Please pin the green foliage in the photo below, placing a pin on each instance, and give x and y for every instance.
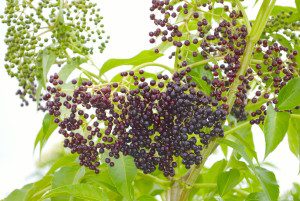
(275, 128)
(143, 57)
(228, 180)
(81, 191)
(122, 175)
(294, 135)
(45, 132)
(289, 96)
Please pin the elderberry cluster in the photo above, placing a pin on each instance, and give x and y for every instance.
(156, 122)
(277, 67)
(37, 29)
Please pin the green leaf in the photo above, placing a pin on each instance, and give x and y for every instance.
(228, 180)
(67, 160)
(81, 191)
(66, 176)
(69, 67)
(146, 198)
(294, 136)
(298, 5)
(143, 57)
(258, 196)
(244, 136)
(19, 194)
(45, 132)
(278, 9)
(275, 127)
(102, 179)
(122, 175)
(48, 59)
(239, 148)
(38, 188)
(268, 182)
(282, 40)
(197, 73)
(289, 95)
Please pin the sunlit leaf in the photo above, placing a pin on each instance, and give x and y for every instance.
(228, 180)
(143, 57)
(275, 127)
(69, 67)
(45, 132)
(294, 136)
(81, 191)
(122, 175)
(289, 95)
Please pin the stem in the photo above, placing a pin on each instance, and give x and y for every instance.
(155, 179)
(205, 61)
(154, 64)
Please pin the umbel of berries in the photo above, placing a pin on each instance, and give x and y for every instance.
(41, 29)
(155, 122)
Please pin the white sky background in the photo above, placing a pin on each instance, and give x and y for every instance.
(128, 24)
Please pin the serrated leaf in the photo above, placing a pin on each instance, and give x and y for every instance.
(289, 95)
(66, 176)
(239, 148)
(19, 194)
(143, 57)
(122, 175)
(257, 196)
(294, 136)
(102, 180)
(45, 132)
(146, 198)
(67, 160)
(228, 180)
(48, 59)
(268, 182)
(245, 137)
(297, 2)
(81, 191)
(282, 40)
(38, 188)
(69, 67)
(275, 127)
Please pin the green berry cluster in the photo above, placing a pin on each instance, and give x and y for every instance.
(285, 23)
(65, 27)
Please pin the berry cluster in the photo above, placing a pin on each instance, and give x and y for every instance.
(48, 25)
(283, 23)
(222, 45)
(277, 67)
(154, 121)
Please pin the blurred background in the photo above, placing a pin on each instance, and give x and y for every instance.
(128, 24)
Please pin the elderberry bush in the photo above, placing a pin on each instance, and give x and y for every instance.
(149, 130)
(37, 29)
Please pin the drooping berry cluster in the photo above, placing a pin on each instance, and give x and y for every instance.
(277, 67)
(37, 28)
(154, 121)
